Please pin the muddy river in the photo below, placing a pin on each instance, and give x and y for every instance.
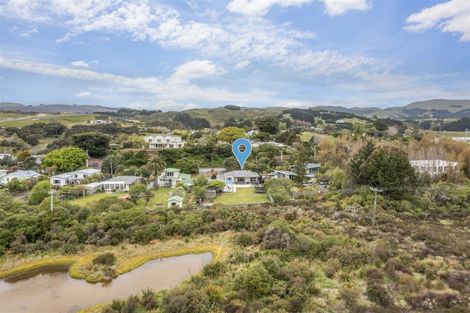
(55, 291)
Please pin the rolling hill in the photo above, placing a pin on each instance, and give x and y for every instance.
(53, 108)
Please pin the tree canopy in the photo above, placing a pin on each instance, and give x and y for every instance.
(65, 159)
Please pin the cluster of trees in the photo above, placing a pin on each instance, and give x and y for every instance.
(109, 221)
(65, 159)
(385, 168)
(192, 122)
(34, 132)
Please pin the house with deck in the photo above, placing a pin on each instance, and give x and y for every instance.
(115, 184)
(73, 178)
(161, 141)
(242, 178)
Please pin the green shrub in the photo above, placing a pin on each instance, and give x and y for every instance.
(255, 281)
(245, 239)
(105, 259)
(213, 269)
(187, 300)
(39, 192)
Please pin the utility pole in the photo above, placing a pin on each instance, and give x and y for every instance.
(375, 190)
(52, 192)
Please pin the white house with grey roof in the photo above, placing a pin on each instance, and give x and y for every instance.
(115, 184)
(242, 178)
(119, 183)
(20, 175)
(282, 174)
(73, 178)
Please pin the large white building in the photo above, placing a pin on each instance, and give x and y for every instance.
(73, 178)
(160, 141)
(433, 167)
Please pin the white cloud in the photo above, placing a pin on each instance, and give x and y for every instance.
(82, 94)
(83, 63)
(261, 7)
(80, 63)
(28, 32)
(24, 32)
(193, 70)
(452, 16)
(242, 64)
(232, 40)
(340, 7)
(154, 88)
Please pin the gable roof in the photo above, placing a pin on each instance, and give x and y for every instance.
(287, 173)
(123, 179)
(175, 198)
(89, 171)
(242, 173)
(22, 174)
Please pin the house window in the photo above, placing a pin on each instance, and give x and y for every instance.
(240, 180)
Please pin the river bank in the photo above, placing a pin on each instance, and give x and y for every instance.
(128, 257)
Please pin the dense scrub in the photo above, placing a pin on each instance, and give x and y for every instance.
(318, 253)
(312, 258)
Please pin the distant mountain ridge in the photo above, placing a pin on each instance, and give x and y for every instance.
(434, 108)
(54, 108)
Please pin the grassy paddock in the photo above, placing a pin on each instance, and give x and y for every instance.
(128, 257)
(242, 196)
(65, 119)
(88, 200)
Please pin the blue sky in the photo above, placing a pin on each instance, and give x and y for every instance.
(174, 55)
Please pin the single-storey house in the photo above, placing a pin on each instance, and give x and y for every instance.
(119, 183)
(171, 176)
(175, 201)
(433, 167)
(282, 174)
(73, 178)
(20, 175)
(311, 169)
(241, 178)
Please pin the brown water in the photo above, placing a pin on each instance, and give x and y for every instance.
(52, 292)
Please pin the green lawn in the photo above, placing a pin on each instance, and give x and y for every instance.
(65, 119)
(161, 195)
(88, 200)
(242, 196)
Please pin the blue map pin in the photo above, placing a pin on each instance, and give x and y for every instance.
(241, 149)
